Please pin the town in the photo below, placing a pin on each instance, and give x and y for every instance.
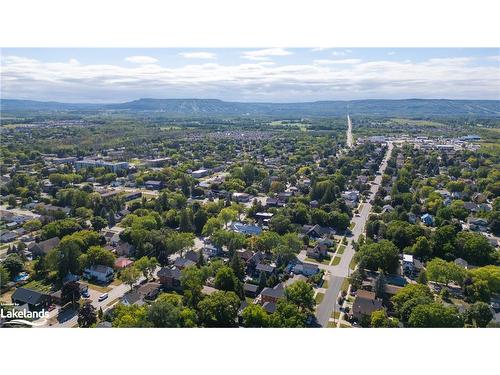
(250, 223)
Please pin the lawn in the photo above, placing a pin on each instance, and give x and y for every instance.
(342, 325)
(99, 288)
(331, 325)
(352, 264)
(341, 249)
(345, 285)
(336, 260)
(319, 298)
(324, 261)
(38, 286)
(325, 284)
(335, 314)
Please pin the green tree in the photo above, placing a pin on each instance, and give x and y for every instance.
(441, 271)
(87, 315)
(219, 309)
(479, 314)
(226, 215)
(98, 223)
(288, 315)
(383, 255)
(97, 255)
(225, 279)
(255, 316)
(70, 292)
(301, 294)
(146, 265)
(130, 276)
(192, 284)
(13, 264)
(379, 319)
(4, 277)
(238, 266)
(435, 315)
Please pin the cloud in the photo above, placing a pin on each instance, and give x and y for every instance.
(391, 53)
(447, 77)
(141, 60)
(343, 61)
(198, 55)
(265, 54)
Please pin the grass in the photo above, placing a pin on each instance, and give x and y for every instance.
(116, 282)
(331, 325)
(345, 285)
(249, 300)
(99, 288)
(319, 298)
(342, 325)
(38, 286)
(6, 297)
(341, 249)
(325, 284)
(336, 260)
(324, 261)
(352, 264)
(352, 225)
(335, 314)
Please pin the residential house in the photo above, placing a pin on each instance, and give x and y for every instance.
(146, 292)
(269, 297)
(306, 269)
(43, 247)
(34, 299)
(427, 219)
(182, 263)
(122, 263)
(250, 290)
(170, 278)
(153, 185)
(250, 230)
(365, 303)
(100, 273)
(241, 197)
(317, 252)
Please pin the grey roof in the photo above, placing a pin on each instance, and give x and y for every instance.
(265, 267)
(29, 296)
(169, 272)
(270, 307)
(276, 292)
(250, 287)
(183, 262)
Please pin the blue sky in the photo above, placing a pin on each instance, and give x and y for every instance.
(259, 74)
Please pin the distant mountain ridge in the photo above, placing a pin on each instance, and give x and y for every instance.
(216, 107)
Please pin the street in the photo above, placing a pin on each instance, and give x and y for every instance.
(340, 271)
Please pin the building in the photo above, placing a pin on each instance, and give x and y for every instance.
(94, 163)
(42, 248)
(170, 278)
(408, 264)
(427, 219)
(251, 230)
(153, 185)
(100, 273)
(241, 197)
(306, 269)
(34, 299)
(365, 303)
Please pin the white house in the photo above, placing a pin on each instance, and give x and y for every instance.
(103, 274)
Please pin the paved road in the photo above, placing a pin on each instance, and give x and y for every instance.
(349, 132)
(340, 271)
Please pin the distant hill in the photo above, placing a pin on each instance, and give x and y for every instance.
(215, 107)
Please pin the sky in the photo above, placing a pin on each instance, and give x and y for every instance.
(108, 75)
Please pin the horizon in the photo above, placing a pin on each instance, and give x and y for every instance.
(247, 102)
(249, 75)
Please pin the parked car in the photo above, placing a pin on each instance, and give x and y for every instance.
(102, 297)
(86, 294)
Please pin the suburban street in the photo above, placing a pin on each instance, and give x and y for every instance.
(349, 132)
(340, 271)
